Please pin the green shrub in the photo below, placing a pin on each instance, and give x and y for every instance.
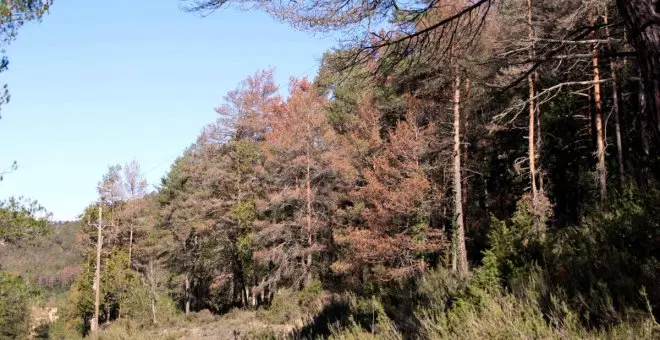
(289, 307)
(14, 307)
(63, 329)
(203, 316)
(366, 320)
(601, 265)
(582, 282)
(284, 309)
(130, 330)
(471, 312)
(355, 332)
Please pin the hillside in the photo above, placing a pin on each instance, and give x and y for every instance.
(51, 262)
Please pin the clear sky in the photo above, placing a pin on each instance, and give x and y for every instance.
(104, 82)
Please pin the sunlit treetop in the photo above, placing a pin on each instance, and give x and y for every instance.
(22, 220)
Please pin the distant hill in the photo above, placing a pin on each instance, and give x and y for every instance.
(52, 262)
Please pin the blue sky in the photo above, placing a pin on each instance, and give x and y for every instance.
(104, 82)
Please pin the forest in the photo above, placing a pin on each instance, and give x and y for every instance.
(457, 169)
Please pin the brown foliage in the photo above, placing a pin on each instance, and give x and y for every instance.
(389, 232)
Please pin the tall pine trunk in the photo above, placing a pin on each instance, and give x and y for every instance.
(130, 246)
(539, 143)
(466, 149)
(598, 120)
(531, 140)
(459, 261)
(308, 195)
(615, 107)
(94, 326)
(187, 293)
(643, 113)
(152, 290)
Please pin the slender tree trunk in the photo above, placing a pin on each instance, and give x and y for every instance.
(615, 107)
(534, 138)
(153, 310)
(600, 139)
(187, 294)
(642, 18)
(459, 261)
(107, 315)
(130, 246)
(539, 143)
(232, 289)
(94, 326)
(590, 121)
(272, 287)
(625, 38)
(244, 295)
(466, 154)
(247, 296)
(152, 284)
(531, 141)
(644, 120)
(531, 128)
(308, 194)
(486, 194)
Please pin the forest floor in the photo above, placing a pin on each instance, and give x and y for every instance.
(235, 325)
(238, 324)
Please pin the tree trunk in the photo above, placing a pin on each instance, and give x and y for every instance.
(466, 154)
(153, 310)
(272, 287)
(245, 298)
(187, 294)
(531, 140)
(590, 121)
(531, 128)
(615, 107)
(94, 326)
(152, 284)
(459, 261)
(539, 143)
(598, 120)
(130, 246)
(262, 296)
(642, 19)
(646, 147)
(308, 194)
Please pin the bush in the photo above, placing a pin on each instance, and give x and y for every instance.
(129, 330)
(468, 311)
(582, 282)
(284, 309)
(289, 307)
(63, 329)
(14, 307)
(602, 265)
(203, 316)
(382, 330)
(348, 317)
